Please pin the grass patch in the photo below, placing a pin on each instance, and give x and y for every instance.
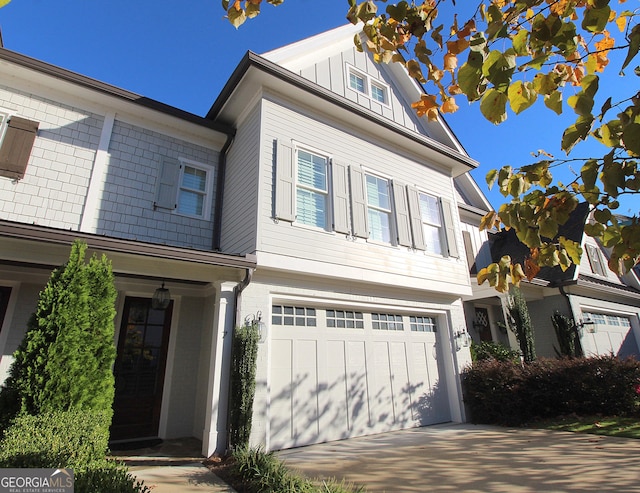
(614, 426)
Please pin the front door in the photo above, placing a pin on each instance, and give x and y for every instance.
(139, 369)
(482, 324)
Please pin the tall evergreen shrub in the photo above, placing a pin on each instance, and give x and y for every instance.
(567, 335)
(521, 325)
(243, 384)
(65, 359)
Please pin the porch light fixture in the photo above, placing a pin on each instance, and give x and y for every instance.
(161, 298)
(256, 320)
(462, 339)
(592, 326)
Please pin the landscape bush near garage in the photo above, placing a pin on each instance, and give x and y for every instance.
(508, 393)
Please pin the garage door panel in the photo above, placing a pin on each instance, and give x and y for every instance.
(334, 423)
(358, 402)
(401, 387)
(305, 391)
(430, 400)
(281, 408)
(382, 403)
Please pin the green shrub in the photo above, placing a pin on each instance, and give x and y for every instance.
(508, 393)
(263, 472)
(107, 476)
(243, 384)
(567, 335)
(68, 439)
(66, 357)
(519, 322)
(493, 350)
(56, 439)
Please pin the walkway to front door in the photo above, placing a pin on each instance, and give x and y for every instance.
(139, 369)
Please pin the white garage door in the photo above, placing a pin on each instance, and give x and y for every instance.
(339, 373)
(608, 334)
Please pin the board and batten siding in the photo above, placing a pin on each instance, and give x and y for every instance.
(240, 215)
(331, 73)
(335, 250)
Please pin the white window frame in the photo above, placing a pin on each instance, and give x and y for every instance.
(390, 211)
(441, 226)
(327, 193)
(207, 193)
(369, 84)
(5, 122)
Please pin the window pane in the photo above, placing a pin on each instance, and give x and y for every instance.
(378, 93)
(433, 239)
(191, 203)
(311, 208)
(194, 179)
(312, 170)
(379, 228)
(378, 192)
(430, 209)
(356, 82)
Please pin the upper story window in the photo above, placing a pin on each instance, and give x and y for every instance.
(368, 86)
(185, 187)
(378, 208)
(432, 222)
(312, 190)
(193, 191)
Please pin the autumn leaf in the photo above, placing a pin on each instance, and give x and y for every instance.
(449, 106)
(426, 106)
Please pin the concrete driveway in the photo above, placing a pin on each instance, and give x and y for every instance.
(470, 458)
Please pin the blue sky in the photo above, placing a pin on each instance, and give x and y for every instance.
(182, 53)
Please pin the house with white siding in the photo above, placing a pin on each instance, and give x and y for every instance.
(310, 197)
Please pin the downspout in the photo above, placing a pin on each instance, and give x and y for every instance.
(222, 172)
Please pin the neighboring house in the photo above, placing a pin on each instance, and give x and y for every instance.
(311, 197)
(605, 306)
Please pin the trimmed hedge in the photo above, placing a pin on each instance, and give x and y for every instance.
(507, 393)
(75, 439)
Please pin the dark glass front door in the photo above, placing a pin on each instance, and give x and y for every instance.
(139, 369)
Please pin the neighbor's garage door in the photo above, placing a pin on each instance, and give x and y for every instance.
(608, 334)
(338, 374)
